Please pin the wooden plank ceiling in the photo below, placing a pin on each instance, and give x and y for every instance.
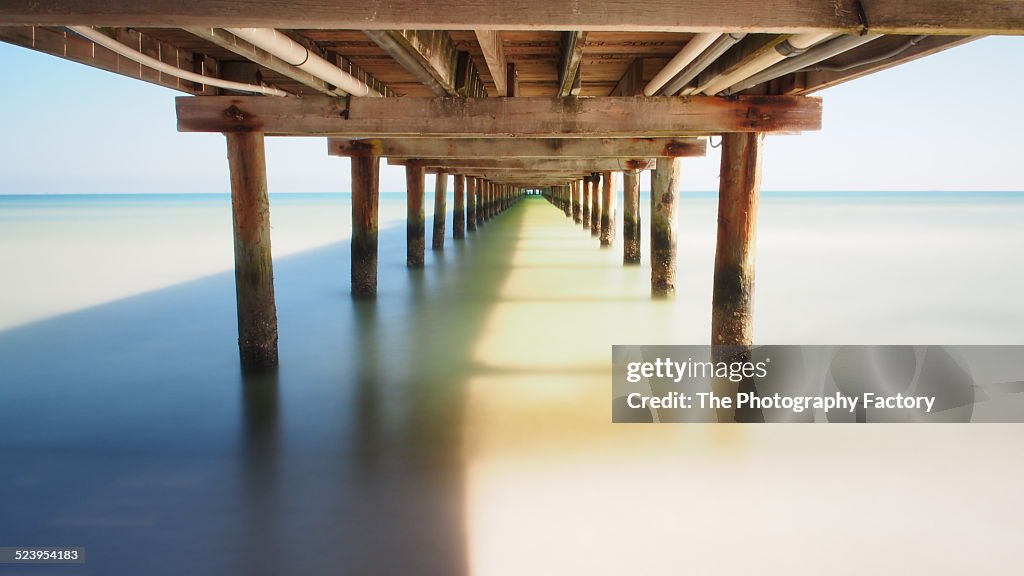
(608, 59)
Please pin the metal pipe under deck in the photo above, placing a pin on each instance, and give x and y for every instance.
(698, 44)
(818, 54)
(146, 60)
(297, 55)
(794, 45)
(701, 63)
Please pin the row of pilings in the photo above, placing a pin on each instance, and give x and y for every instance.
(591, 203)
(476, 201)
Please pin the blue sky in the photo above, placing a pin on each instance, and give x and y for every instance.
(947, 122)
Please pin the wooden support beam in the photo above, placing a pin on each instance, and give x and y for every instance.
(429, 55)
(595, 207)
(947, 17)
(588, 187)
(494, 54)
(365, 195)
(664, 202)
(415, 228)
(577, 193)
(257, 55)
(254, 266)
(509, 176)
(471, 203)
(459, 211)
(632, 81)
(70, 46)
(607, 210)
(532, 164)
(631, 236)
(733, 299)
(440, 196)
(566, 201)
(467, 78)
(569, 66)
(547, 148)
(481, 204)
(511, 80)
(605, 117)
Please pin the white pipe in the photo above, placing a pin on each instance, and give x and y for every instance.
(699, 43)
(796, 44)
(145, 60)
(299, 56)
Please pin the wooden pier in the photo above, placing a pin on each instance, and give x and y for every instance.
(568, 99)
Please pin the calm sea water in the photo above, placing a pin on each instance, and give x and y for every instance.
(459, 424)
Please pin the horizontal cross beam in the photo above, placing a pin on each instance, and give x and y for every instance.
(520, 147)
(506, 174)
(954, 17)
(603, 117)
(538, 164)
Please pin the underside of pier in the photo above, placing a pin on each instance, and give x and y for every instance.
(554, 96)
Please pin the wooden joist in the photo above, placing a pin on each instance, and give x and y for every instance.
(582, 165)
(429, 55)
(947, 17)
(521, 147)
(70, 46)
(569, 67)
(604, 117)
(494, 55)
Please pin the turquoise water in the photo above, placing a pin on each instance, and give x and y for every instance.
(462, 418)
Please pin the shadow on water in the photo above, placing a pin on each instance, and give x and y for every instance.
(129, 429)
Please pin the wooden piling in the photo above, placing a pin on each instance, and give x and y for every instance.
(415, 229)
(588, 186)
(733, 299)
(566, 201)
(459, 211)
(365, 190)
(440, 197)
(471, 203)
(595, 206)
(254, 267)
(631, 215)
(607, 211)
(577, 192)
(664, 201)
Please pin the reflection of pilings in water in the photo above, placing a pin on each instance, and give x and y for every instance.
(408, 485)
(368, 373)
(258, 475)
(724, 387)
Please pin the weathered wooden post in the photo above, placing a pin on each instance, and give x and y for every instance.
(595, 205)
(254, 267)
(577, 216)
(471, 203)
(481, 207)
(607, 211)
(664, 200)
(415, 229)
(566, 201)
(491, 188)
(440, 197)
(733, 300)
(631, 213)
(459, 212)
(588, 186)
(365, 189)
